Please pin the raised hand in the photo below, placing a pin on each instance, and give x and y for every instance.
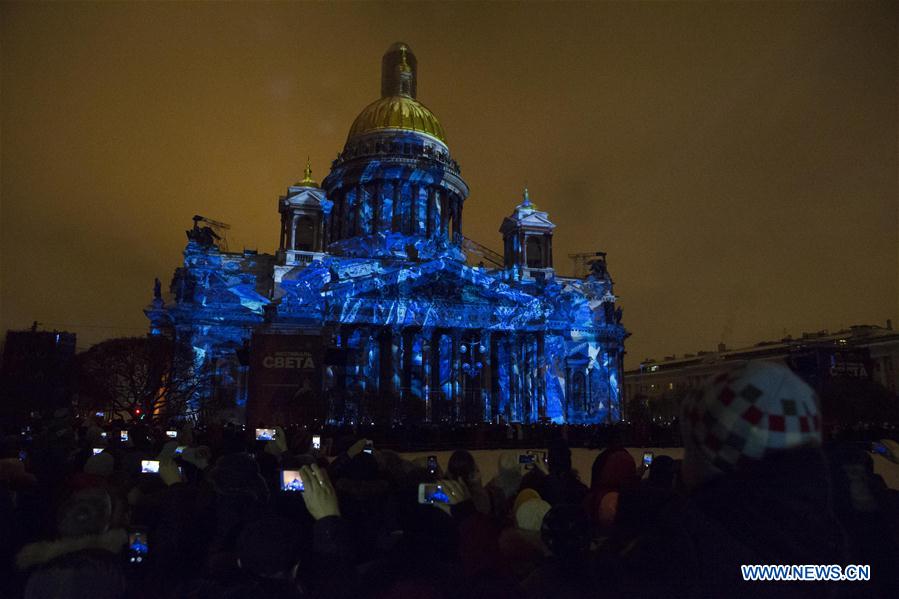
(169, 471)
(456, 490)
(318, 492)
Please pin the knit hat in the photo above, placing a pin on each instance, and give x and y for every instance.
(748, 414)
(529, 515)
(525, 495)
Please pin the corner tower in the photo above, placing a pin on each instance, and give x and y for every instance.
(395, 188)
(527, 240)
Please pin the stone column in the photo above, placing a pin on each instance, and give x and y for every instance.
(426, 349)
(397, 216)
(541, 374)
(456, 373)
(396, 381)
(414, 210)
(549, 250)
(486, 376)
(293, 232)
(444, 214)
(429, 210)
(434, 383)
(514, 412)
(376, 208)
(359, 211)
(526, 389)
(408, 347)
(344, 214)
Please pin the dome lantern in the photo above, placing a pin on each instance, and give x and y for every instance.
(398, 107)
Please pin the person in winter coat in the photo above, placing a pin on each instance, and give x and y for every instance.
(759, 493)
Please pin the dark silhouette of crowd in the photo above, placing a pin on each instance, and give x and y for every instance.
(203, 514)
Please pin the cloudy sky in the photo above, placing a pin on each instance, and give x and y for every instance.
(738, 161)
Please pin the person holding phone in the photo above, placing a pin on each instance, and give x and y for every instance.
(463, 468)
(613, 470)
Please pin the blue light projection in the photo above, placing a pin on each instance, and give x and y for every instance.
(372, 262)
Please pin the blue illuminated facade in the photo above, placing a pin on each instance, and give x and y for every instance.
(374, 262)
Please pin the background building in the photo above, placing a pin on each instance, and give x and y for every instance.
(370, 312)
(861, 353)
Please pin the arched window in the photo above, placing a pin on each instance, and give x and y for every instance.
(578, 392)
(305, 234)
(534, 247)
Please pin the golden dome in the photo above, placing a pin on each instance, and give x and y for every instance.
(397, 112)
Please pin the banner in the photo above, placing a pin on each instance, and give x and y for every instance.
(285, 384)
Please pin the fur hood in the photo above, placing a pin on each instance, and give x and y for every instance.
(36, 554)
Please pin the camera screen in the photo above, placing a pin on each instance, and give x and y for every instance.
(180, 449)
(171, 434)
(123, 435)
(137, 546)
(103, 435)
(647, 458)
(368, 447)
(98, 450)
(435, 494)
(316, 442)
(291, 481)
(526, 459)
(265, 434)
(149, 466)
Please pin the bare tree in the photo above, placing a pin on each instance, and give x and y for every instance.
(151, 377)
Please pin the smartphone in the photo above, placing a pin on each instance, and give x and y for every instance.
(149, 466)
(180, 449)
(369, 447)
(291, 481)
(432, 493)
(97, 450)
(316, 441)
(879, 448)
(23, 455)
(171, 434)
(647, 458)
(539, 455)
(265, 434)
(100, 414)
(123, 435)
(432, 465)
(527, 460)
(138, 547)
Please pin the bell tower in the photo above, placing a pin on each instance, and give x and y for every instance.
(527, 240)
(302, 220)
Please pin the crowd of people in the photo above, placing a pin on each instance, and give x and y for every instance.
(217, 513)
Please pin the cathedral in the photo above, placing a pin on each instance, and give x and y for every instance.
(377, 309)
